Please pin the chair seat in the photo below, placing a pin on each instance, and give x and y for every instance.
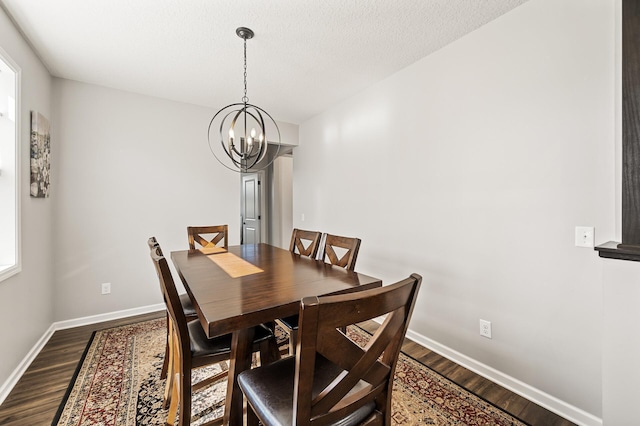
(269, 390)
(187, 306)
(202, 346)
(290, 322)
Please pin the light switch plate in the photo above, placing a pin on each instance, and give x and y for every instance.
(585, 236)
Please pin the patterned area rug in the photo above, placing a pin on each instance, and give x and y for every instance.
(117, 383)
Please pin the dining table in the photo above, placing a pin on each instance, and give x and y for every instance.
(240, 287)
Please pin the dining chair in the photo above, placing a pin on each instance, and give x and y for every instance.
(189, 311)
(305, 243)
(345, 257)
(340, 251)
(208, 237)
(192, 349)
(332, 379)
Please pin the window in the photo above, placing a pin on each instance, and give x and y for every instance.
(629, 248)
(9, 167)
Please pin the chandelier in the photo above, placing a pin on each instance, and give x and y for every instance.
(241, 139)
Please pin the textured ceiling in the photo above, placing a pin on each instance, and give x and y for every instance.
(305, 56)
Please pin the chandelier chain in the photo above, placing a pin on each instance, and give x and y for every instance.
(245, 99)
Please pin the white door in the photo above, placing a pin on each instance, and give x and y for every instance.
(250, 208)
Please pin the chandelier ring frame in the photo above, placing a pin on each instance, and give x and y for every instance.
(226, 112)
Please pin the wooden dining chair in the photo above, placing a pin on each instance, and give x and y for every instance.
(208, 236)
(346, 256)
(333, 380)
(189, 311)
(340, 251)
(305, 243)
(192, 349)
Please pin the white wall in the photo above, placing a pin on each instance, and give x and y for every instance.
(472, 167)
(130, 167)
(621, 347)
(25, 298)
(282, 201)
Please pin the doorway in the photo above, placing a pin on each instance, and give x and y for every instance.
(266, 203)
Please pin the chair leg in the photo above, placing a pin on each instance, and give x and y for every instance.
(185, 395)
(172, 367)
(165, 363)
(173, 382)
(175, 398)
(252, 419)
(293, 341)
(269, 351)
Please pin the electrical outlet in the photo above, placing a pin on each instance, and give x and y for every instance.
(106, 288)
(485, 328)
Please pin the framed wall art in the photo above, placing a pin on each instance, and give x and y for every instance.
(40, 155)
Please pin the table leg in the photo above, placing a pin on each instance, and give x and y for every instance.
(241, 351)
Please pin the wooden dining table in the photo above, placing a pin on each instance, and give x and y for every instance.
(236, 289)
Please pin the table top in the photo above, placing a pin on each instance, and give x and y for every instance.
(256, 283)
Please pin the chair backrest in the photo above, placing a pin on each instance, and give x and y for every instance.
(170, 295)
(346, 257)
(152, 242)
(208, 236)
(305, 242)
(368, 371)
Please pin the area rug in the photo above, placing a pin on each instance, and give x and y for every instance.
(118, 383)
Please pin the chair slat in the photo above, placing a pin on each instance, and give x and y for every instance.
(208, 236)
(298, 239)
(348, 259)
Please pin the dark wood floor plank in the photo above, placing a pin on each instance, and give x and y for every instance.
(37, 395)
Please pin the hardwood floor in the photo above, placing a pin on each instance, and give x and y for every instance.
(36, 397)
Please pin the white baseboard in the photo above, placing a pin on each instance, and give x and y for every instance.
(551, 403)
(94, 319)
(8, 385)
